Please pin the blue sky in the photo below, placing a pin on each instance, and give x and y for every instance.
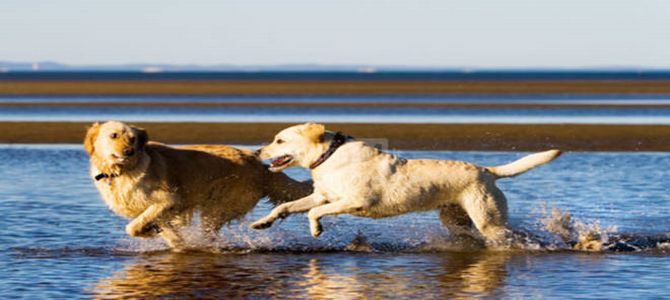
(442, 33)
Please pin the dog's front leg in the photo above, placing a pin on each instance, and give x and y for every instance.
(142, 225)
(297, 206)
(334, 208)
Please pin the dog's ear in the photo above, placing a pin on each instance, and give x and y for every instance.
(142, 137)
(91, 136)
(314, 131)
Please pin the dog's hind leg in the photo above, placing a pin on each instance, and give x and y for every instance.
(454, 217)
(211, 223)
(172, 237)
(334, 208)
(487, 208)
(210, 226)
(285, 209)
(456, 220)
(212, 217)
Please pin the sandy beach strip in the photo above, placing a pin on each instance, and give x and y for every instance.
(486, 137)
(268, 87)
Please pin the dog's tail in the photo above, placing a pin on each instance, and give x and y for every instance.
(280, 188)
(524, 164)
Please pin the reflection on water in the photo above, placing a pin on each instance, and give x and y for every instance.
(337, 275)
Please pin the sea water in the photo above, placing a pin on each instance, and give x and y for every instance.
(58, 240)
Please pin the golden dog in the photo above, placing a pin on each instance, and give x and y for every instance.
(160, 187)
(351, 177)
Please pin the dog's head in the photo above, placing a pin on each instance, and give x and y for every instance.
(298, 145)
(115, 143)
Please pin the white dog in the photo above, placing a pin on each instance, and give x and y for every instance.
(351, 177)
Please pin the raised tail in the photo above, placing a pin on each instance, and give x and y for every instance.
(280, 188)
(524, 164)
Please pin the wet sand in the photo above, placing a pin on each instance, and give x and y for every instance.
(276, 87)
(487, 137)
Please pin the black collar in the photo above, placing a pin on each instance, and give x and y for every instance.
(104, 175)
(338, 140)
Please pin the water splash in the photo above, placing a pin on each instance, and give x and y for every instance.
(591, 236)
(360, 244)
(578, 235)
(554, 230)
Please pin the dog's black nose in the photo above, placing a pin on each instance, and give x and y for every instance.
(128, 151)
(258, 152)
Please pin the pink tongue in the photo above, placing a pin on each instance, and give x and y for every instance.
(279, 161)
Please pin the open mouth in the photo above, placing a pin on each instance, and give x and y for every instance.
(281, 161)
(118, 159)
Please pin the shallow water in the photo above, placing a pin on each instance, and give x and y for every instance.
(640, 114)
(58, 240)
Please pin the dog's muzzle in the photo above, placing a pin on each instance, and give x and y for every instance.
(280, 163)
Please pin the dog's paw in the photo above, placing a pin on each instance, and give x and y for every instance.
(147, 230)
(316, 229)
(150, 230)
(262, 224)
(132, 230)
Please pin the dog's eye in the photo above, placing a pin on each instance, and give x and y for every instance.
(114, 135)
(280, 141)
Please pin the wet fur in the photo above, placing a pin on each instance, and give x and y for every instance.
(363, 181)
(160, 187)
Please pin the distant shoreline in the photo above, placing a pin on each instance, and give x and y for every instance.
(328, 74)
(330, 88)
(483, 137)
(306, 104)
